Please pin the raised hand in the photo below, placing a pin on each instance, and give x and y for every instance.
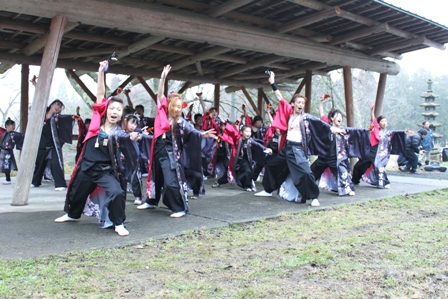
(371, 105)
(272, 78)
(77, 110)
(103, 65)
(166, 70)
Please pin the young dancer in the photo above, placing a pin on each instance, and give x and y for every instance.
(8, 140)
(57, 130)
(355, 143)
(176, 146)
(97, 165)
(245, 152)
(293, 157)
(383, 143)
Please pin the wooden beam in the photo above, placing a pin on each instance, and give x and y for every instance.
(300, 87)
(32, 137)
(140, 45)
(396, 46)
(82, 85)
(360, 33)
(308, 79)
(40, 42)
(185, 87)
(265, 97)
(123, 85)
(364, 48)
(251, 65)
(310, 19)
(301, 69)
(195, 27)
(231, 89)
(380, 94)
(198, 57)
(199, 68)
(350, 113)
(316, 5)
(217, 98)
(226, 7)
(251, 102)
(260, 101)
(24, 98)
(117, 69)
(148, 89)
(87, 53)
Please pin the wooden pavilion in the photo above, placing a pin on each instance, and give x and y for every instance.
(223, 42)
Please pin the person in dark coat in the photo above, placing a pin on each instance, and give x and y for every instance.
(413, 147)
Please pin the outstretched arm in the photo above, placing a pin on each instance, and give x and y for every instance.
(372, 110)
(277, 92)
(321, 106)
(163, 76)
(101, 88)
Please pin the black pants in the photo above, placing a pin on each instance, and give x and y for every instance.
(84, 184)
(194, 178)
(292, 160)
(256, 171)
(136, 186)
(362, 165)
(7, 173)
(166, 177)
(243, 172)
(319, 166)
(412, 160)
(56, 170)
(222, 157)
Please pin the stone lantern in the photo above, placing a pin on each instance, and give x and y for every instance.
(430, 115)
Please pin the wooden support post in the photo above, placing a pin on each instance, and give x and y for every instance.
(32, 137)
(216, 99)
(24, 100)
(308, 78)
(349, 96)
(260, 101)
(185, 87)
(249, 98)
(148, 89)
(265, 97)
(82, 85)
(380, 94)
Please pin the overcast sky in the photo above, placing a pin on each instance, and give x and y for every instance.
(432, 59)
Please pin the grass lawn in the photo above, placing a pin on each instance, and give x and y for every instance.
(390, 248)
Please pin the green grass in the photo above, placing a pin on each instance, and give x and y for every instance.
(388, 248)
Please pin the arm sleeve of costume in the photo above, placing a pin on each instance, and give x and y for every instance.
(247, 120)
(398, 143)
(65, 128)
(358, 143)
(325, 119)
(191, 156)
(319, 141)
(284, 110)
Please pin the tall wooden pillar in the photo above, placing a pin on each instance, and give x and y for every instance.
(380, 94)
(24, 101)
(308, 78)
(216, 99)
(349, 96)
(260, 102)
(32, 137)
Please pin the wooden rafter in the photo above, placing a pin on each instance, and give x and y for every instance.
(148, 89)
(82, 85)
(226, 7)
(249, 98)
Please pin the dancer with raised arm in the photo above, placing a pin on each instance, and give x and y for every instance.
(97, 165)
(293, 157)
(383, 143)
(176, 146)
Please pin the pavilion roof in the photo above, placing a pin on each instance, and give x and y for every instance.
(230, 42)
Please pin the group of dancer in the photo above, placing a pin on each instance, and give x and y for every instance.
(114, 149)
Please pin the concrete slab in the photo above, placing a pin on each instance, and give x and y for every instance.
(29, 231)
